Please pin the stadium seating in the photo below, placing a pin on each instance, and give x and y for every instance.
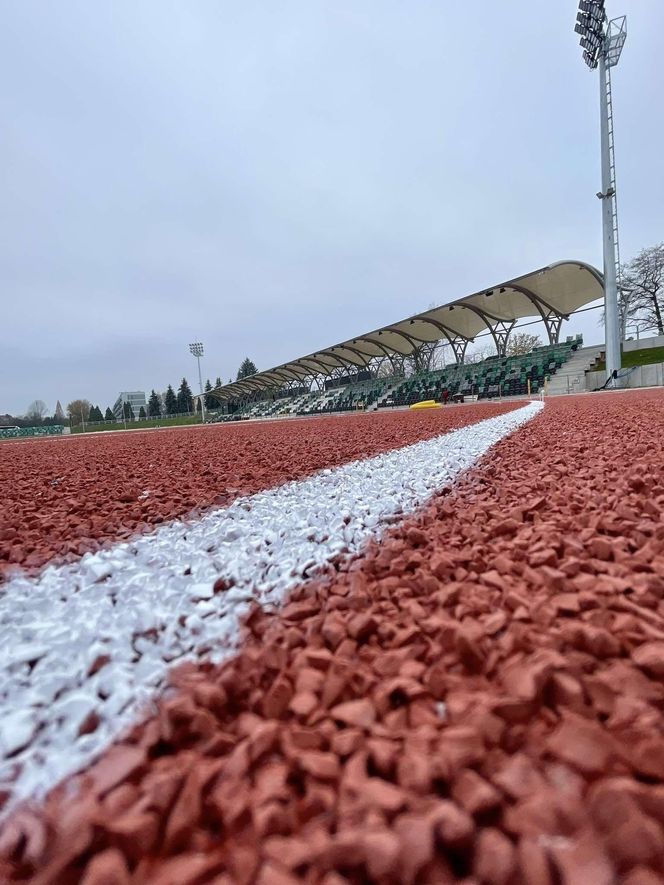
(491, 378)
(350, 398)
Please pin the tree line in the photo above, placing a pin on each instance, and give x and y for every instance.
(158, 405)
(171, 403)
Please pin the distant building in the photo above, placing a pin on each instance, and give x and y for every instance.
(135, 398)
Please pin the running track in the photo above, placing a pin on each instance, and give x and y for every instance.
(479, 694)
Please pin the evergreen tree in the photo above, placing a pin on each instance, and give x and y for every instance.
(127, 411)
(210, 402)
(170, 401)
(246, 369)
(218, 382)
(141, 413)
(184, 403)
(154, 406)
(98, 414)
(109, 416)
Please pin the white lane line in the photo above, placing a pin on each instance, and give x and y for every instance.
(149, 603)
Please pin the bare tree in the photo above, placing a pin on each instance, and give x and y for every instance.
(522, 342)
(627, 306)
(387, 367)
(421, 359)
(78, 410)
(36, 410)
(627, 310)
(643, 285)
(482, 351)
(425, 357)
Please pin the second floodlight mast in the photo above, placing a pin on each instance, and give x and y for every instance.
(602, 43)
(196, 349)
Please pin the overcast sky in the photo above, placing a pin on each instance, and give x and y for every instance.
(273, 177)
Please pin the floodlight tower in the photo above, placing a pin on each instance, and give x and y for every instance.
(196, 349)
(602, 43)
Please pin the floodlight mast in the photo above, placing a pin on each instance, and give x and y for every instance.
(196, 349)
(602, 43)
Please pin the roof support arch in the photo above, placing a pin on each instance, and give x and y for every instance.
(459, 343)
(297, 376)
(414, 340)
(500, 330)
(362, 356)
(459, 347)
(395, 357)
(312, 365)
(500, 334)
(220, 399)
(341, 360)
(552, 318)
(287, 376)
(378, 344)
(251, 384)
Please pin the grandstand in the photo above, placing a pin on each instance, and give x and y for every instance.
(489, 379)
(369, 371)
(494, 377)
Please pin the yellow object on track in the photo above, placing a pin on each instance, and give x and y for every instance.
(426, 404)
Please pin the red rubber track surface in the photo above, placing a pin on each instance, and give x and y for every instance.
(478, 697)
(64, 497)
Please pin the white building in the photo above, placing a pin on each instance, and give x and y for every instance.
(135, 398)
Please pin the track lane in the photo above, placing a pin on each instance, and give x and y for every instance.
(84, 647)
(64, 497)
(478, 695)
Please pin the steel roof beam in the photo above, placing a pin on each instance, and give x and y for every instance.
(354, 350)
(385, 350)
(551, 317)
(458, 343)
(388, 347)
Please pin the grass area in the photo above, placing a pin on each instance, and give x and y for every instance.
(645, 357)
(138, 425)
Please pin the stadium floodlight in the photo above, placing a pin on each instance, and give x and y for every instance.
(602, 44)
(590, 60)
(196, 349)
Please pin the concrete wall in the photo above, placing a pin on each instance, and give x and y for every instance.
(642, 376)
(644, 343)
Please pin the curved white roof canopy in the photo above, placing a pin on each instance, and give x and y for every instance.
(551, 294)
